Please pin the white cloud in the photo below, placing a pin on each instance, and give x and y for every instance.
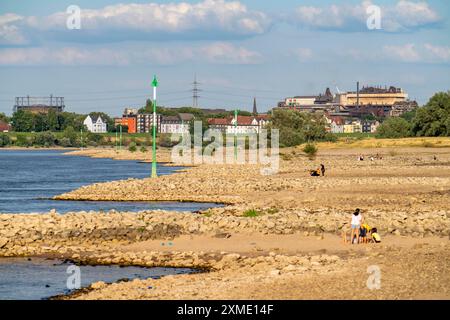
(9, 32)
(215, 53)
(403, 16)
(303, 54)
(404, 53)
(225, 53)
(208, 19)
(438, 53)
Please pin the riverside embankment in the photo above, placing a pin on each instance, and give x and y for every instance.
(279, 237)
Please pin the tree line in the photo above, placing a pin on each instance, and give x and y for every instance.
(26, 121)
(431, 120)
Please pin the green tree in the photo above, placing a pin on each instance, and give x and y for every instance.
(44, 139)
(3, 117)
(394, 128)
(70, 119)
(40, 122)
(22, 121)
(132, 147)
(148, 108)
(70, 136)
(433, 119)
(165, 111)
(52, 121)
(23, 140)
(94, 138)
(410, 115)
(4, 140)
(165, 140)
(298, 127)
(311, 150)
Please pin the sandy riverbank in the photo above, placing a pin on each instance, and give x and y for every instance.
(290, 250)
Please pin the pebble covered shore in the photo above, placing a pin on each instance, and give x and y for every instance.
(405, 195)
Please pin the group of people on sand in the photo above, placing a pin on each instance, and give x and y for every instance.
(372, 158)
(361, 232)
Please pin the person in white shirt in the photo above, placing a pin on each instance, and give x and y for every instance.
(357, 220)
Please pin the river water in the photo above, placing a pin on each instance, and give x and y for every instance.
(38, 278)
(28, 178)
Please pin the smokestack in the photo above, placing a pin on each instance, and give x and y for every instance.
(357, 94)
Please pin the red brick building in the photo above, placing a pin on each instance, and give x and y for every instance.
(4, 127)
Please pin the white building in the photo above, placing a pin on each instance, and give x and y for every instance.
(336, 127)
(95, 125)
(176, 124)
(241, 125)
(299, 101)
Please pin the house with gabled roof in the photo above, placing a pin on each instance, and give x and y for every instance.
(95, 124)
(239, 124)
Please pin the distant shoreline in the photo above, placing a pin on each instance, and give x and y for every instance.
(39, 148)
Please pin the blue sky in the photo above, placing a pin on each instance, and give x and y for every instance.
(237, 49)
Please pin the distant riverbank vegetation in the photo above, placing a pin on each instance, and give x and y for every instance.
(295, 128)
(431, 120)
(70, 138)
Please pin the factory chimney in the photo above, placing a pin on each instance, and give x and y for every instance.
(357, 94)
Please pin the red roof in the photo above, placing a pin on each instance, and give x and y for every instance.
(217, 121)
(264, 116)
(337, 119)
(4, 126)
(244, 120)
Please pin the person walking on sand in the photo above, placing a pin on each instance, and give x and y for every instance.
(357, 220)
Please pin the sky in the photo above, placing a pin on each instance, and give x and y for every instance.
(237, 50)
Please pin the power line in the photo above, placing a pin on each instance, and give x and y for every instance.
(242, 95)
(244, 89)
(195, 91)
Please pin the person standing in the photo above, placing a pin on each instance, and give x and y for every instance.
(322, 169)
(357, 220)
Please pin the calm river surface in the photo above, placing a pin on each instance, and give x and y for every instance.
(28, 176)
(38, 278)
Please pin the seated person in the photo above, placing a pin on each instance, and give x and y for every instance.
(375, 236)
(364, 232)
(315, 173)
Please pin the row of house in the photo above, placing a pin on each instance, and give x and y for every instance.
(180, 123)
(347, 125)
(239, 124)
(143, 122)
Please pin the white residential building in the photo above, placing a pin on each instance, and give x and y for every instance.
(241, 125)
(95, 125)
(336, 127)
(176, 124)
